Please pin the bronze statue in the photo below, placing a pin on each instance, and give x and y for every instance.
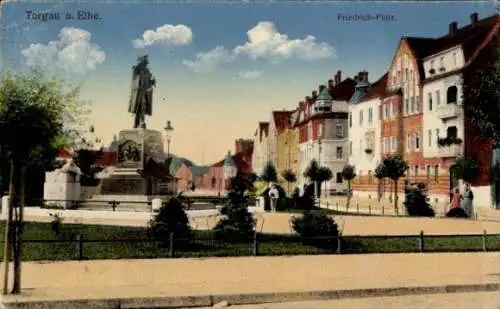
(141, 99)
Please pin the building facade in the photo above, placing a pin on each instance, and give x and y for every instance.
(260, 155)
(287, 149)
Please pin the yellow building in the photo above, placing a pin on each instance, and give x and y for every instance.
(287, 148)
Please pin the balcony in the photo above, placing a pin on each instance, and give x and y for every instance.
(331, 107)
(450, 151)
(449, 111)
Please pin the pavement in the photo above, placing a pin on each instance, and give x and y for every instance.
(351, 225)
(477, 300)
(177, 283)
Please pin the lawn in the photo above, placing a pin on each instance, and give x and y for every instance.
(115, 242)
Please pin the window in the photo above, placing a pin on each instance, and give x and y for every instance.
(339, 153)
(350, 120)
(393, 143)
(394, 108)
(408, 141)
(455, 58)
(370, 115)
(350, 147)
(412, 100)
(429, 100)
(432, 64)
(399, 76)
(360, 117)
(416, 171)
(417, 103)
(452, 132)
(441, 62)
(339, 129)
(412, 77)
(407, 104)
(436, 173)
(339, 178)
(437, 137)
(451, 95)
(407, 77)
(394, 81)
(319, 133)
(438, 97)
(428, 172)
(309, 131)
(386, 111)
(369, 177)
(429, 137)
(417, 140)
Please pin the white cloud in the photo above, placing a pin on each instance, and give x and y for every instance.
(205, 62)
(174, 34)
(264, 41)
(250, 74)
(73, 53)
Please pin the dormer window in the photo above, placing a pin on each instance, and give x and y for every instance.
(340, 130)
(432, 70)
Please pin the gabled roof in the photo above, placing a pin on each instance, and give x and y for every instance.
(324, 95)
(242, 160)
(198, 170)
(378, 89)
(281, 120)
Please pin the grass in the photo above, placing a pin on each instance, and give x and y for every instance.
(114, 242)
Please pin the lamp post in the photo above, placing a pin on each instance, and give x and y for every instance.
(168, 129)
(228, 168)
(319, 163)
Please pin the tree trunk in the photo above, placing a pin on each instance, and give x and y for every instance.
(349, 194)
(18, 234)
(396, 197)
(8, 231)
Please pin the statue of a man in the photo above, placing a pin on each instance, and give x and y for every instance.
(141, 99)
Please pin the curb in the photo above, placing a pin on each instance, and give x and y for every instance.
(242, 299)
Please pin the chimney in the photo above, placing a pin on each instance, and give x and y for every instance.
(474, 17)
(321, 88)
(330, 83)
(452, 28)
(338, 77)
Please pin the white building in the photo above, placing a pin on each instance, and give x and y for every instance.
(260, 155)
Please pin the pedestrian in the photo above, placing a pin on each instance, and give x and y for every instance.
(274, 196)
(455, 199)
(467, 200)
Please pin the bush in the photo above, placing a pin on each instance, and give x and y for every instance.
(306, 201)
(417, 202)
(55, 223)
(171, 218)
(457, 213)
(316, 224)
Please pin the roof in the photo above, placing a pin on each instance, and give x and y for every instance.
(377, 90)
(344, 90)
(228, 160)
(242, 160)
(324, 95)
(281, 120)
(198, 170)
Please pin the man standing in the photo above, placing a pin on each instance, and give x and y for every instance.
(141, 98)
(274, 196)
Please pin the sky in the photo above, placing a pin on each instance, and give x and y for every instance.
(220, 67)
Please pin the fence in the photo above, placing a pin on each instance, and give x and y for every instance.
(78, 247)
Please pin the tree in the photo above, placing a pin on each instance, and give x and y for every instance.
(289, 177)
(171, 218)
(481, 94)
(312, 172)
(237, 223)
(324, 175)
(393, 167)
(85, 159)
(269, 174)
(43, 114)
(349, 173)
(465, 168)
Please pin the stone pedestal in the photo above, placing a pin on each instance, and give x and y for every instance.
(62, 186)
(135, 148)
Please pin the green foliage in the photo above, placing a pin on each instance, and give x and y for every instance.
(448, 141)
(315, 224)
(312, 170)
(380, 171)
(481, 96)
(417, 202)
(269, 174)
(171, 218)
(395, 166)
(85, 159)
(465, 168)
(289, 176)
(348, 172)
(237, 223)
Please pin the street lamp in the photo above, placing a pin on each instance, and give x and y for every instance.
(229, 168)
(319, 163)
(168, 129)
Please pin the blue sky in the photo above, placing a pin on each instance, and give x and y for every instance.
(294, 47)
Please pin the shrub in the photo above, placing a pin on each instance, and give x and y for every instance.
(417, 202)
(316, 224)
(171, 218)
(306, 201)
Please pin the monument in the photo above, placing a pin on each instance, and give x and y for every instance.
(139, 147)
